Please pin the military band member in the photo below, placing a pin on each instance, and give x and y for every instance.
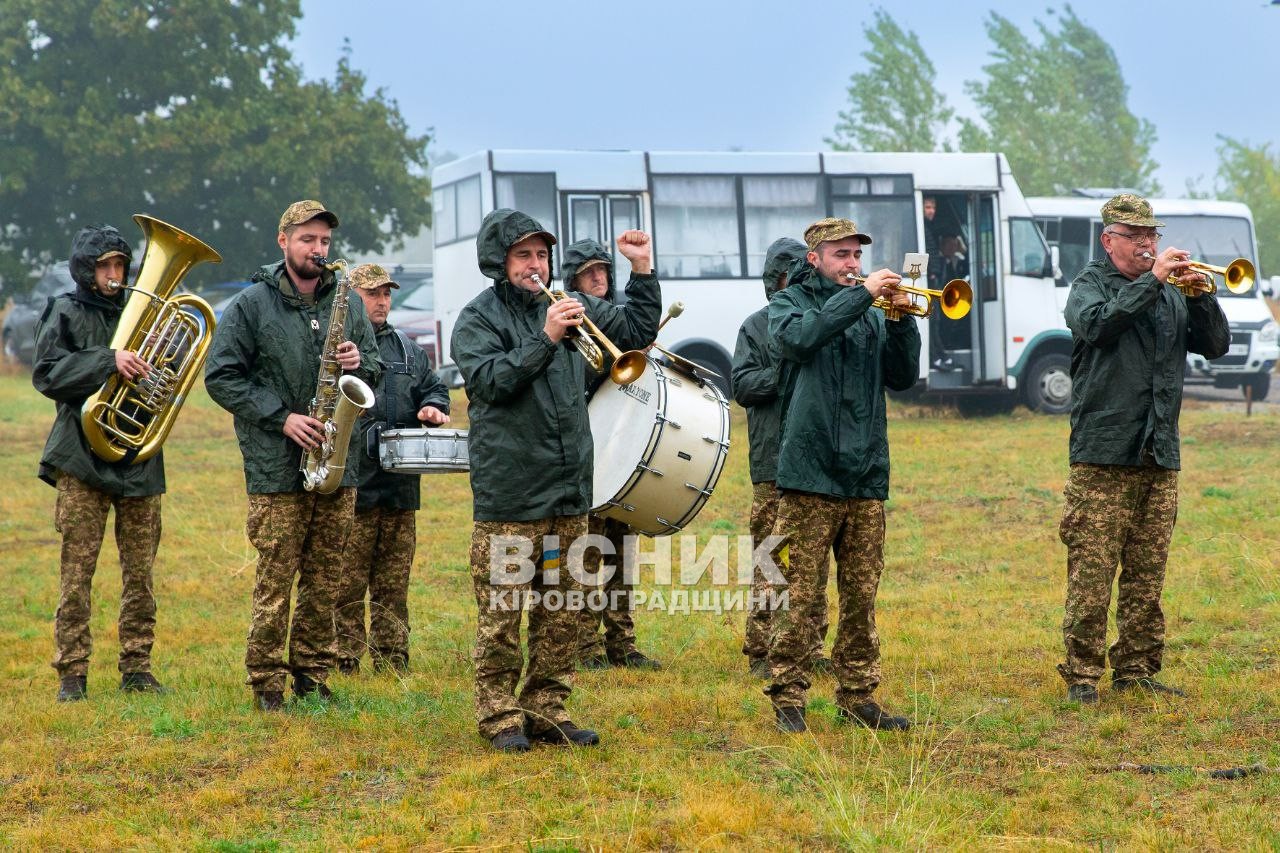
(379, 553)
(531, 466)
(263, 366)
(73, 360)
(588, 268)
(839, 355)
(1131, 332)
(756, 369)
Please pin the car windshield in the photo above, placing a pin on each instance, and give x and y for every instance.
(419, 298)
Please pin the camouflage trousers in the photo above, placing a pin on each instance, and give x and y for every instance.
(1116, 514)
(377, 560)
(764, 513)
(619, 628)
(298, 535)
(553, 630)
(854, 529)
(81, 517)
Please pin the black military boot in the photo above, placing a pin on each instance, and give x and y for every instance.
(142, 682)
(304, 686)
(268, 700)
(791, 719)
(73, 688)
(873, 716)
(634, 659)
(349, 666)
(566, 732)
(595, 662)
(1085, 694)
(510, 740)
(1148, 684)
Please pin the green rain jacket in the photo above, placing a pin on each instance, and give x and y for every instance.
(1129, 349)
(263, 365)
(756, 366)
(73, 360)
(530, 440)
(408, 384)
(839, 356)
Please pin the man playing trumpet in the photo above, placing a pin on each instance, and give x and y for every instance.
(833, 463)
(1131, 332)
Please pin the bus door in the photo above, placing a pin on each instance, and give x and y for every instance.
(601, 217)
(968, 350)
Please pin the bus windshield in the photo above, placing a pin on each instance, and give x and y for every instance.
(1214, 240)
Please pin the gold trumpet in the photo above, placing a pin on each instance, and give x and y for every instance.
(955, 297)
(627, 366)
(1237, 275)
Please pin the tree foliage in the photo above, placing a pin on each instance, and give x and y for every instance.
(1252, 175)
(1058, 110)
(193, 112)
(893, 105)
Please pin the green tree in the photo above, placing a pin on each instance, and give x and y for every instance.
(193, 112)
(893, 105)
(1252, 175)
(1058, 110)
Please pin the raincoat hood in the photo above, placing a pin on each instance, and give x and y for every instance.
(578, 253)
(501, 230)
(91, 243)
(782, 253)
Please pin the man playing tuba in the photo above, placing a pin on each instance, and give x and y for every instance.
(73, 360)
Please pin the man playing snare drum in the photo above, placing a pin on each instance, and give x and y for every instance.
(379, 552)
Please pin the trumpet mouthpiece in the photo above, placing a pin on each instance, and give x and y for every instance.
(113, 285)
(1148, 256)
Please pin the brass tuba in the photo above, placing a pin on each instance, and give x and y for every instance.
(128, 419)
(339, 399)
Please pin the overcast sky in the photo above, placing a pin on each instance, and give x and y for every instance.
(767, 76)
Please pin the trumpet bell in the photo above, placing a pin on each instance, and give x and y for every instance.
(956, 298)
(1239, 275)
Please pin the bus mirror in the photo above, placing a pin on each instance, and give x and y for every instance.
(1271, 287)
(1052, 266)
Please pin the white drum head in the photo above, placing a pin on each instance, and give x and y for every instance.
(623, 418)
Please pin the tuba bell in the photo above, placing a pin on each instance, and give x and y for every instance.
(128, 419)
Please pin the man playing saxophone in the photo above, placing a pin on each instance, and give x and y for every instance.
(263, 367)
(73, 360)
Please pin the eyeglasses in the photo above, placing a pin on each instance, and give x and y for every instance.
(1139, 239)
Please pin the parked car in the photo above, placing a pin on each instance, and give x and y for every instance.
(413, 306)
(20, 325)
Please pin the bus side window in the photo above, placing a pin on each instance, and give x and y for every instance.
(1073, 246)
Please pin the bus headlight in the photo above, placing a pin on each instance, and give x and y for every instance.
(1268, 333)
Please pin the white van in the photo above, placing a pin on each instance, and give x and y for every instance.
(1215, 232)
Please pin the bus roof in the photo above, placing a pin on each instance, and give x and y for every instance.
(1092, 207)
(629, 170)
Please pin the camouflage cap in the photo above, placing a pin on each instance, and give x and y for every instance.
(305, 211)
(370, 276)
(1129, 209)
(832, 228)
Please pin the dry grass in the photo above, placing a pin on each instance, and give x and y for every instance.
(969, 614)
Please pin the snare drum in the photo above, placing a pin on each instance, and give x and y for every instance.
(423, 451)
(660, 444)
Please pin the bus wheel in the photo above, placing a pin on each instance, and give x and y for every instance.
(1261, 383)
(1048, 385)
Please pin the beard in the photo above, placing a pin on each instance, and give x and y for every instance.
(304, 267)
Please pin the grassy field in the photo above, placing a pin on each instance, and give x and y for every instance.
(969, 615)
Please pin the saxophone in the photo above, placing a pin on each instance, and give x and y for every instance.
(339, 399)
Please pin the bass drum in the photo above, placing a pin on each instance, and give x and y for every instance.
(660, 445)
(423, 450)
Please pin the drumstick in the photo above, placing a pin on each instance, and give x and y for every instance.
(676, 309)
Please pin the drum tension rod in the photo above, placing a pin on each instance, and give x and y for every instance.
(654, 471)
(698, 489)
(667, 420)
